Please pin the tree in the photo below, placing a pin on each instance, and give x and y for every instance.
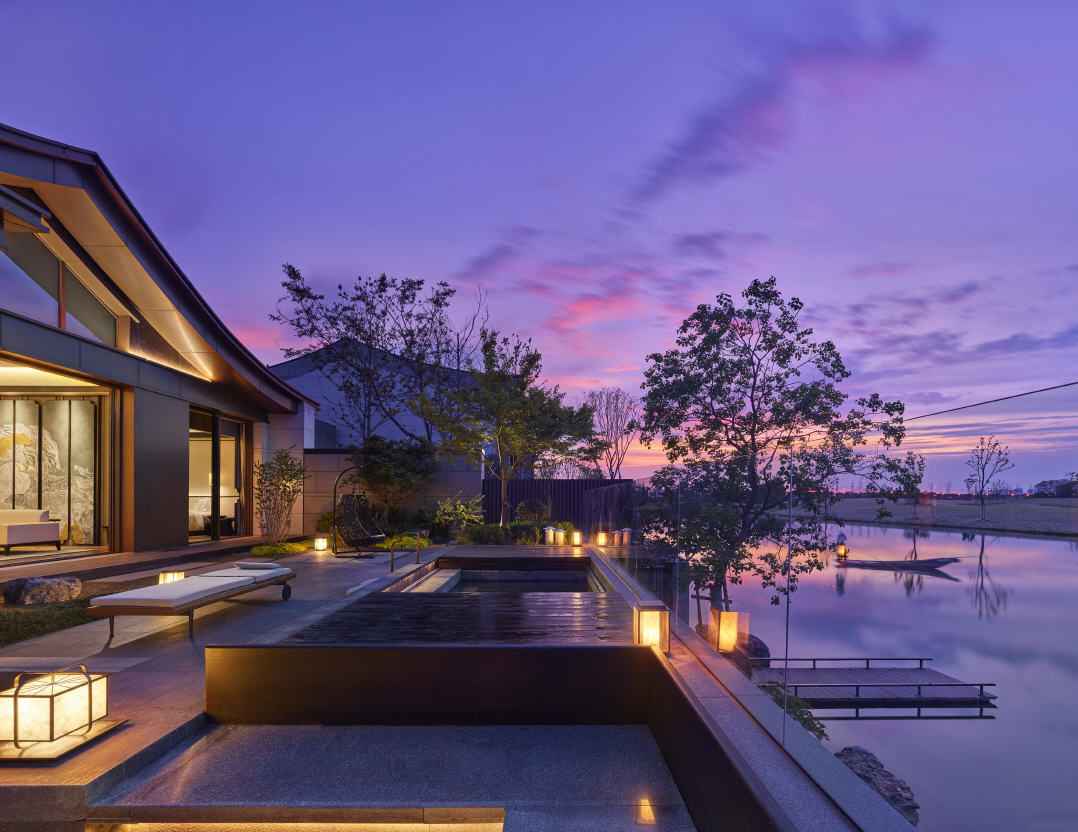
(729, 406)
(278, 483)
(987, 459)
(394, 469)
(506, 408)
(615, 425)
(383, 342)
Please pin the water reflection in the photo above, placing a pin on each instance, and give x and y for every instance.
(1004, 614)
(988, 596)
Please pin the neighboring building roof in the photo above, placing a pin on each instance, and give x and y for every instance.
(82, 193)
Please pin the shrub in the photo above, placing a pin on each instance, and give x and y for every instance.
(524, 534)
(453, 515)
(532, 511)
(278, 484)
(797, 708)
(485, 534)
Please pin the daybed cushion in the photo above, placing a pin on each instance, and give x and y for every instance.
(16, 534)
(175, 594)
(251, 564)
(258, 575)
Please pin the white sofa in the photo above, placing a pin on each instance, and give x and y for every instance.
(20, 527)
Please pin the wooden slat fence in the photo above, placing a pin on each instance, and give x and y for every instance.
(564, 497)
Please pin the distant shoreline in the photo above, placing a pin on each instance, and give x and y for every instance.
(1027, 518)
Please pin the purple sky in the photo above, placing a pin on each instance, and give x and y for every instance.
(908, 170)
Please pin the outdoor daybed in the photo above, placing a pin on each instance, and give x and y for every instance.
(185, 596)
(21, 527)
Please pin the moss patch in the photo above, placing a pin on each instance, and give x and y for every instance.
(279, 550)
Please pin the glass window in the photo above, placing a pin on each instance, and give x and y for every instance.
(29, 278)
(85, 314)
(30, 285)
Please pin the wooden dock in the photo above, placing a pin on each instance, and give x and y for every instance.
(876, 686)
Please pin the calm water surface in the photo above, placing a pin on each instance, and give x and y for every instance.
(1009, 617)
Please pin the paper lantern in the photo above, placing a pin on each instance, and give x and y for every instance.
(578, 538)
(321, 542)
(600, 538)
(651, 625)
(43, 707)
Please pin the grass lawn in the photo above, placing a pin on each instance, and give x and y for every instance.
(20, 623)
(1029, 516)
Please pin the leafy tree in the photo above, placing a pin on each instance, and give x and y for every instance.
(384, 342)
(987, 459)
(394, 469)
(507, 408)
(615, 425)
(278, 483)
(729, 405)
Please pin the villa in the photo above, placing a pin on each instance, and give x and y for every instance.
(128, 411)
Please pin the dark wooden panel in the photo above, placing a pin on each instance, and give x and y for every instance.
(444, 685)
(563, 496)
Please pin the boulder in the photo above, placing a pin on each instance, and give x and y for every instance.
(751, 655)
(42, 590)
(868, 767)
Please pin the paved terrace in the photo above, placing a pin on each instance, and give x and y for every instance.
(166, 764)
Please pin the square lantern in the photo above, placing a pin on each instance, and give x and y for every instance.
(733, 630)
(651, 624)
(600, 538)
(321, 542)
(559, 536)
(43, 707)
(578, 538)
(548, 535)
(170, 577)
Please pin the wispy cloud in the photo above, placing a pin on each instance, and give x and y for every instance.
(744, 122)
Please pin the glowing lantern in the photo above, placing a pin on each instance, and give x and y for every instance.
(733, 630)
(600, 538)
(170, 577)
(52, 705)
(651, 625)
(645, 813)
(559, 536)
(321, 542)
(548, 535)
(578, 538)
(842, 550)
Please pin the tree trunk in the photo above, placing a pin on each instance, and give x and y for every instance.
(503, 517)
(982, 506)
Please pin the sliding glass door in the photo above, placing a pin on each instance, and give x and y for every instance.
(217, 477)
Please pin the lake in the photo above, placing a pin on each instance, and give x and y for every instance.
(1009, 617)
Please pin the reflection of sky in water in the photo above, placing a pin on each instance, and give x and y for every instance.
(1014, 772)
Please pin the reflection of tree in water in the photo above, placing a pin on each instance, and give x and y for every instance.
(912, 582)
(988, 597)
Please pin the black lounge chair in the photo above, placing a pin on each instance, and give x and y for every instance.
(355, 525)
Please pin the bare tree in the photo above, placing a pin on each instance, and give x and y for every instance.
(615, 424)
(987, 460)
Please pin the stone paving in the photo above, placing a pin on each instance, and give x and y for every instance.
(159, 681)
